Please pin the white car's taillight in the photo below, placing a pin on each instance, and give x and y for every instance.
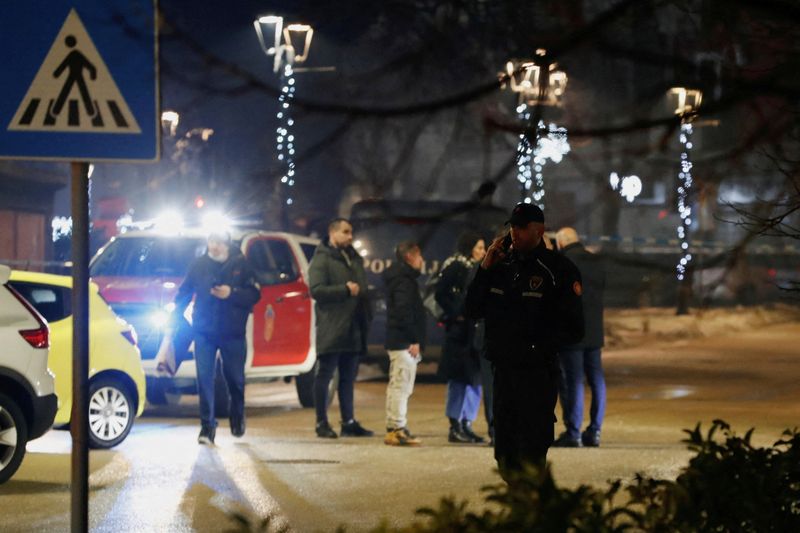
(38, 338)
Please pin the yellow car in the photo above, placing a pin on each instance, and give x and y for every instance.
(116, 378)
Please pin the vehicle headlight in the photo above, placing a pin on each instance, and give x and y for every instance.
(160, 318)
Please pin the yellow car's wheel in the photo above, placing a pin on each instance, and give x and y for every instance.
(111, 412)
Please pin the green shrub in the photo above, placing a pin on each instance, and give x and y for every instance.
(733, 486)
(729, 485)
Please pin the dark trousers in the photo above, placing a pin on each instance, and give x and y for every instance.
(525, 396)
(234, 352)
(575, 365)
(347, 363)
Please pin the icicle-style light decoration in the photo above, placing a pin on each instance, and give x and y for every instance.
(531, 161)
(287, 52)
(684, 209)
(284, 138)
(524, 155)
(553, 146)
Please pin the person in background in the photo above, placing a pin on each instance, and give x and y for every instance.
(583, 359)
(338, 285)
(530, 299)
(222, 284)
(405, 339)
(460, 363)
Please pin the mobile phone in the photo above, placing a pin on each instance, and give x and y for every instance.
(507, 242)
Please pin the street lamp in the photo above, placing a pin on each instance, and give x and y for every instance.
(169, 121)
(279, 41)
(305, 33)
(538, 83)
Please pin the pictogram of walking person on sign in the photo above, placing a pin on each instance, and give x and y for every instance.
(75, 63)
(74, 90)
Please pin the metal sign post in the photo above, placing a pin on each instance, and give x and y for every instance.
(79, 422)
(81, 85)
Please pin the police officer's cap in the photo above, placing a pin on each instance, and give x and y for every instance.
(523, 214)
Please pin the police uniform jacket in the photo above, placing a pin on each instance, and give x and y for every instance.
(531, 304)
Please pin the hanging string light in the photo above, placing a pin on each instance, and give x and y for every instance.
(688, 101)
(684, 209)
(538, 83)
(530, 161)
(553, 146)
(288, 46)
(524, 155)
(285, 139)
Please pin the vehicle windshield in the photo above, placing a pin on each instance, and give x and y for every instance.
(150, 256)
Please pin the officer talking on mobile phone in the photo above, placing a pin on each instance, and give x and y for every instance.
(530, 299)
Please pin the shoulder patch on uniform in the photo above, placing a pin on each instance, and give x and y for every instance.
(577, 288)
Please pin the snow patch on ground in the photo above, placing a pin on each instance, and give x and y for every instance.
(631, 327)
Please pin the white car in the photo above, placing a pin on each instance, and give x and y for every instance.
(28, 401)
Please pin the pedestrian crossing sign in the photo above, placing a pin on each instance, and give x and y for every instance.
(87, 85)
(82, 81)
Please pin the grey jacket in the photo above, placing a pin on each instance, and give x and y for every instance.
(342, 320)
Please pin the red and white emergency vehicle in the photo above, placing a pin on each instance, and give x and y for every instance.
(139, 273)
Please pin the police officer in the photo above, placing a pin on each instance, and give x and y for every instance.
(530, 299)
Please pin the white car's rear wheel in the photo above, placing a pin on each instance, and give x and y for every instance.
(111, 413)
(13, 437)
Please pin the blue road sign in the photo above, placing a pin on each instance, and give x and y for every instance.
(79, 80)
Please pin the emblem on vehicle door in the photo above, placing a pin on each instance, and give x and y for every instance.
(269, 323)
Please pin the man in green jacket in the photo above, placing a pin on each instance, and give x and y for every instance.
(339, 287)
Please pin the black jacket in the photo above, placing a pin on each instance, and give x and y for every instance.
(459, 360)
(342, 320)
(212, 315)
(405, 314)
(531, 304)
(593, 275)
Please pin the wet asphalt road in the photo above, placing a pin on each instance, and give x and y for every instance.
(159, 479)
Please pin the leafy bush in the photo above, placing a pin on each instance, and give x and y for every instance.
(729, 485)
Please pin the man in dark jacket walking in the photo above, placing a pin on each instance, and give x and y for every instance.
(224, 289)
(583, 359)
(530, 298)
(405, 339)
(339, 287)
